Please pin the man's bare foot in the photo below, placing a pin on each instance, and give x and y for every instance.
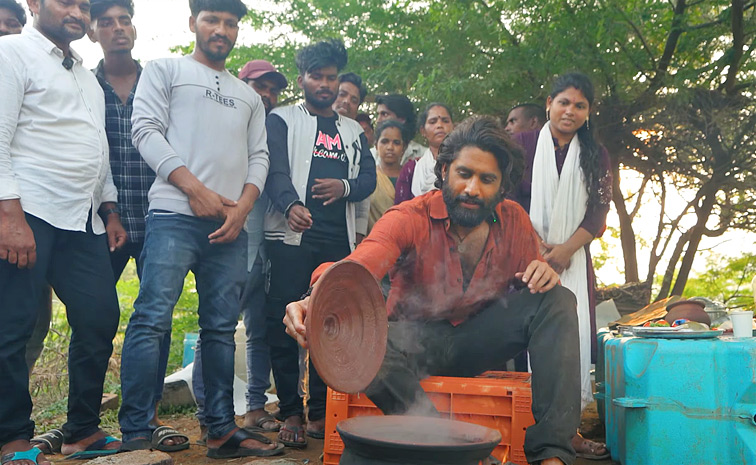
(68, 449)
(247, 443)
(316, 429)
(22, 445)
(260, 419)
(587, 449)
(292, 431)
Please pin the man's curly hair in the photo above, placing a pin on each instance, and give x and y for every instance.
(488, 134)
(330, 52)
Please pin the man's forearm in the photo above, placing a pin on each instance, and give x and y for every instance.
(249, 196)
(185, 181)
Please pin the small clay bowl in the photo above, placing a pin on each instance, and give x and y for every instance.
(692, 310)
(347, 327)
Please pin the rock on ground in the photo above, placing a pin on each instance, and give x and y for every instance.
(137, 457)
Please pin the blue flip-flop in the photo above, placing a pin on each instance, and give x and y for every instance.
(30, 455)
(95, 450)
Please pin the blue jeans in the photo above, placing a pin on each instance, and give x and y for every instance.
(175, 244)
(258, 353)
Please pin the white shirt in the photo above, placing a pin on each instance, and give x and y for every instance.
(53, 144)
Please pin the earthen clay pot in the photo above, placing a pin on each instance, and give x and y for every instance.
(692, 310)
(412, 440)
(347, 327)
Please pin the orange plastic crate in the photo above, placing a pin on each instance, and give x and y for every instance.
(496, 399)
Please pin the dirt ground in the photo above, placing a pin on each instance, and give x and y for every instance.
(187, 424)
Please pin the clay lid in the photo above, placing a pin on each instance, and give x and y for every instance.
(347, 327)
(692, 310)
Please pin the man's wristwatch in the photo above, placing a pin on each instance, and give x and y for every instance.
(110, 211)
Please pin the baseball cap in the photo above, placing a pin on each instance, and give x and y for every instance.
(258, 68)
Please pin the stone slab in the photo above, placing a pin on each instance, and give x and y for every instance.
(137, 457)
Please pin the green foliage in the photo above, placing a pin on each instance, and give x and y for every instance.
(726, 279)
(674, 79)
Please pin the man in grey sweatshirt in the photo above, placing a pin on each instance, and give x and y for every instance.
(203, 132)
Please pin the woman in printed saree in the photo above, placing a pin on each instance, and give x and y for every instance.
(391, 141)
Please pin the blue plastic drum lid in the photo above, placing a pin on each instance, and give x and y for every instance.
(190, 343)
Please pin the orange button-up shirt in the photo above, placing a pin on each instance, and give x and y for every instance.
(413, 243)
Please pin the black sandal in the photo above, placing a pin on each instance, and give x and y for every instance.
(298, 432)
(258, 427)
(232, 447)
(162, 433)
(49, 443)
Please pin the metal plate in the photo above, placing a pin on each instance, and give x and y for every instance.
(673, 333)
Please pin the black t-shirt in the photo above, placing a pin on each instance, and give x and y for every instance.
(329, 160)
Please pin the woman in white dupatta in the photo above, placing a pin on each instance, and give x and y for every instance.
(418, 176)
(567, 190)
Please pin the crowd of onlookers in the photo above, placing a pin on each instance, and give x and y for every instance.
(182, 166)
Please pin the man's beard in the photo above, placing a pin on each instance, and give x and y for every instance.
(466, 217)
(59, 31)
(210, 53)
(313, 100)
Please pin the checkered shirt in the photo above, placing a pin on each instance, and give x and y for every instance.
(131, 174)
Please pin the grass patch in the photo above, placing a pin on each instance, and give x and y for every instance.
(49, 380)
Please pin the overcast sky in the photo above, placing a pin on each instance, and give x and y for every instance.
(161, 24)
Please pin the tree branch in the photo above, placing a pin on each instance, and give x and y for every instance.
(640, 195)
(738, 42)
(639, 35)
(512, 38)
(676, 30)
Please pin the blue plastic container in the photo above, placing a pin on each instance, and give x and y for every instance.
(681, 401)
(602, 336)
(190, 343)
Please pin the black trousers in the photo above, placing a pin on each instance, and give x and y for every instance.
(120, 258)
(544, 324)
(77, 266)
(290, 269)
(118, 261)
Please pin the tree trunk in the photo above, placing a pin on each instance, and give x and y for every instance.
(697, 233)
(669, 274)
(627, 234)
